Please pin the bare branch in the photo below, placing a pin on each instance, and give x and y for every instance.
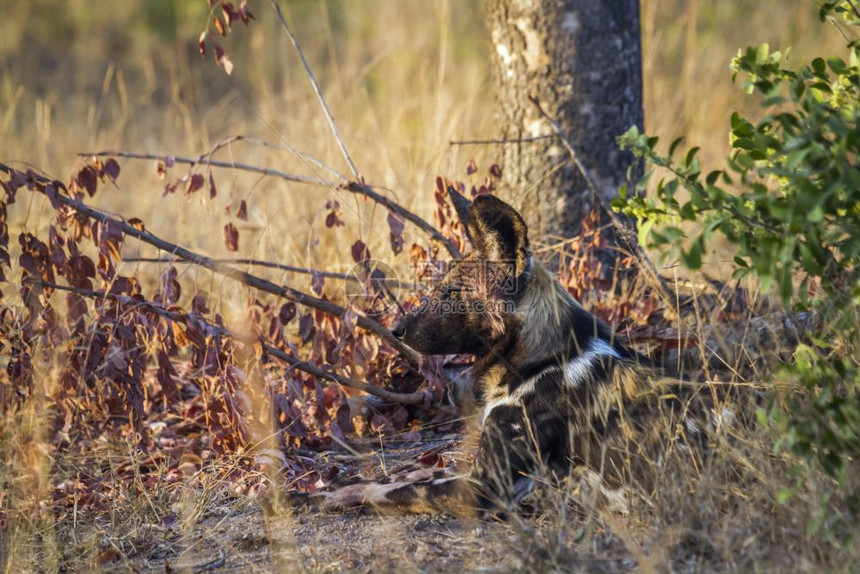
(501, 142)
(282, 267)
(256, 141)
(434, 233)
(250, 280)
(310, 368)
(226, 164)
(353, 187)
(317, 90)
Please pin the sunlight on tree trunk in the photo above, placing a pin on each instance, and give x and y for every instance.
(582, 60)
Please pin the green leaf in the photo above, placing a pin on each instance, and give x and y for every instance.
(819, 66)
(674, 146)
(786, 285)
(645, 230)
(712, 177)
(691, 154)
(692, 259)
(837, 65)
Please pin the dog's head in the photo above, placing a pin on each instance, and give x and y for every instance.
(471, 307)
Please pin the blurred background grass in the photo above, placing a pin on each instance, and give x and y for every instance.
(402, 78)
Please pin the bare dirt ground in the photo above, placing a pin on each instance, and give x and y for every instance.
(245, 540)
(240, 537)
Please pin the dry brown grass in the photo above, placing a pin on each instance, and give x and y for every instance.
(79, 76)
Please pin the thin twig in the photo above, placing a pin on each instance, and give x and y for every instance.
(353, 187)
(502, 141)
(226, 164)
(435, 234)
(624, 233)
(307, 367)
(358, 185)
(272, 145)
(317, 90)
(250, 280)
(282, 267)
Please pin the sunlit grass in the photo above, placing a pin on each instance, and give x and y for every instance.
(401, 82)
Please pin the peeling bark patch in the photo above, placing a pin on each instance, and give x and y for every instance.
(534, 54)
(505, 55)
(536, 127)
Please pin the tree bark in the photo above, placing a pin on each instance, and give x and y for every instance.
(582, 59)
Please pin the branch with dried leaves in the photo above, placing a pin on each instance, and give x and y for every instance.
(393, 397)
(352, 187)
(250, 280)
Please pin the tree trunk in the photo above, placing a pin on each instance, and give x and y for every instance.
(582, 60)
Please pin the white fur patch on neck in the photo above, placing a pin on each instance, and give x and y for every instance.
(579, 368)
(575, 372)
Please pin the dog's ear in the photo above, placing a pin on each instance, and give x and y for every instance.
(494, 228)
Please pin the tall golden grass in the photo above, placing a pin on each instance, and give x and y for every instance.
(402, 78)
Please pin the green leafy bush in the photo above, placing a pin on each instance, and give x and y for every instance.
(788, 203)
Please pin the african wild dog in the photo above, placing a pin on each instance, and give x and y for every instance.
(561, 396)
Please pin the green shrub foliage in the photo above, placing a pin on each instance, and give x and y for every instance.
(788, 203)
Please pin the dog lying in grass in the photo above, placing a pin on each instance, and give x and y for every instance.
(561, 397)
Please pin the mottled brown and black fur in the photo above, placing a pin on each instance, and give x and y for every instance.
(561, 398)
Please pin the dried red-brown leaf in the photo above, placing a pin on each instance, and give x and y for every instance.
(79, 270)
(344, 419)
(242, 212)
(76, 308)
(229, 13)
(109, 238)
(307, 329)
(213, 191)
(432, 458)
(287, 312)
(136, 223)
(166, 376)
(195, 182)
(333, 219)
(244, 14)
(231, 237)
(360, 252)
(171, 289)
(223, 60)
(111, 168)
(395, 228)
(472, 167)
(219, 25)
(317, 282)
(87, 178)
(199, 304)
